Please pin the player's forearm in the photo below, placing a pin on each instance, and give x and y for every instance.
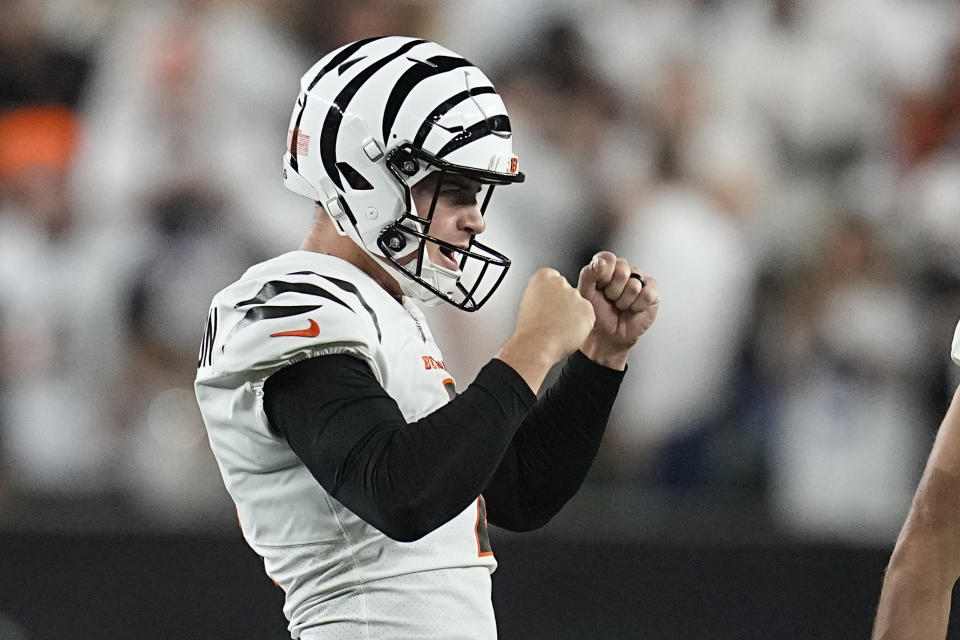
(554, 447)
(915, 601)
(925, 564)
(431, 469)
(918, 583)
(917, 586)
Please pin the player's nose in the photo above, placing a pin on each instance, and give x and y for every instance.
(471, 220)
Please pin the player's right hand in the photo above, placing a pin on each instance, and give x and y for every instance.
(553, 315)
(955, 350)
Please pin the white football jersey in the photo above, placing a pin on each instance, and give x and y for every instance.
(341, 576)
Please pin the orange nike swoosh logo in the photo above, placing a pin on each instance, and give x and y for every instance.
(310, 332)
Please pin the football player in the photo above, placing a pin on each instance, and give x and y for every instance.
(360, 475)
(925, 564)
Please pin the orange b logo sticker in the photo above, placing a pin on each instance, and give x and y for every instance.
(513, 164)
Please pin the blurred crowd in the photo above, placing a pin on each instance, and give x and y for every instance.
(788, 170)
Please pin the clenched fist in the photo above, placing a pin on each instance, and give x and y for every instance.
(553, 314)
(553, 320)
(625, 304)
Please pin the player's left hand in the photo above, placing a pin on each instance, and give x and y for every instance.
(625, 302)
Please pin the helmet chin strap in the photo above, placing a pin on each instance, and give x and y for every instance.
(436, 276)
(440, 278)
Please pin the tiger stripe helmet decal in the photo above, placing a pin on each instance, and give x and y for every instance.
(375, 117)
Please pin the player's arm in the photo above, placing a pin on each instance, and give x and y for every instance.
(557, 442)
(408, 479)
(553, 449)
(404, 479)
(925, 564)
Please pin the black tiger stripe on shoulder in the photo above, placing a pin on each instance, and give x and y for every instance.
(350, 288)
(270, 290)
(274, 288)
(270, 313)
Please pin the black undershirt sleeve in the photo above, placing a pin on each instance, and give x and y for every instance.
(554, 447)
(404, 479)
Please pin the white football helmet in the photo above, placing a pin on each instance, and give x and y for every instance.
(375, 117)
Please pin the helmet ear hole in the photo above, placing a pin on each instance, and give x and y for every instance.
(353, 177)
(393, 239)
(404, 162)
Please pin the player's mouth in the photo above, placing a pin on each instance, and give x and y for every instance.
(448, 258)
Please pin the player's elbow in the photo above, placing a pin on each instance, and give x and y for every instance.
(523, 526)
(403, 533)
(406, 523)
(521, 520)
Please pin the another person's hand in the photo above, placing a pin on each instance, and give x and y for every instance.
(625, 303)
(925, 564)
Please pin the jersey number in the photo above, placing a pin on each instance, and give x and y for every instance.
(483, 537)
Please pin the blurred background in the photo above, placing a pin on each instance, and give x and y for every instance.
(789, 170)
